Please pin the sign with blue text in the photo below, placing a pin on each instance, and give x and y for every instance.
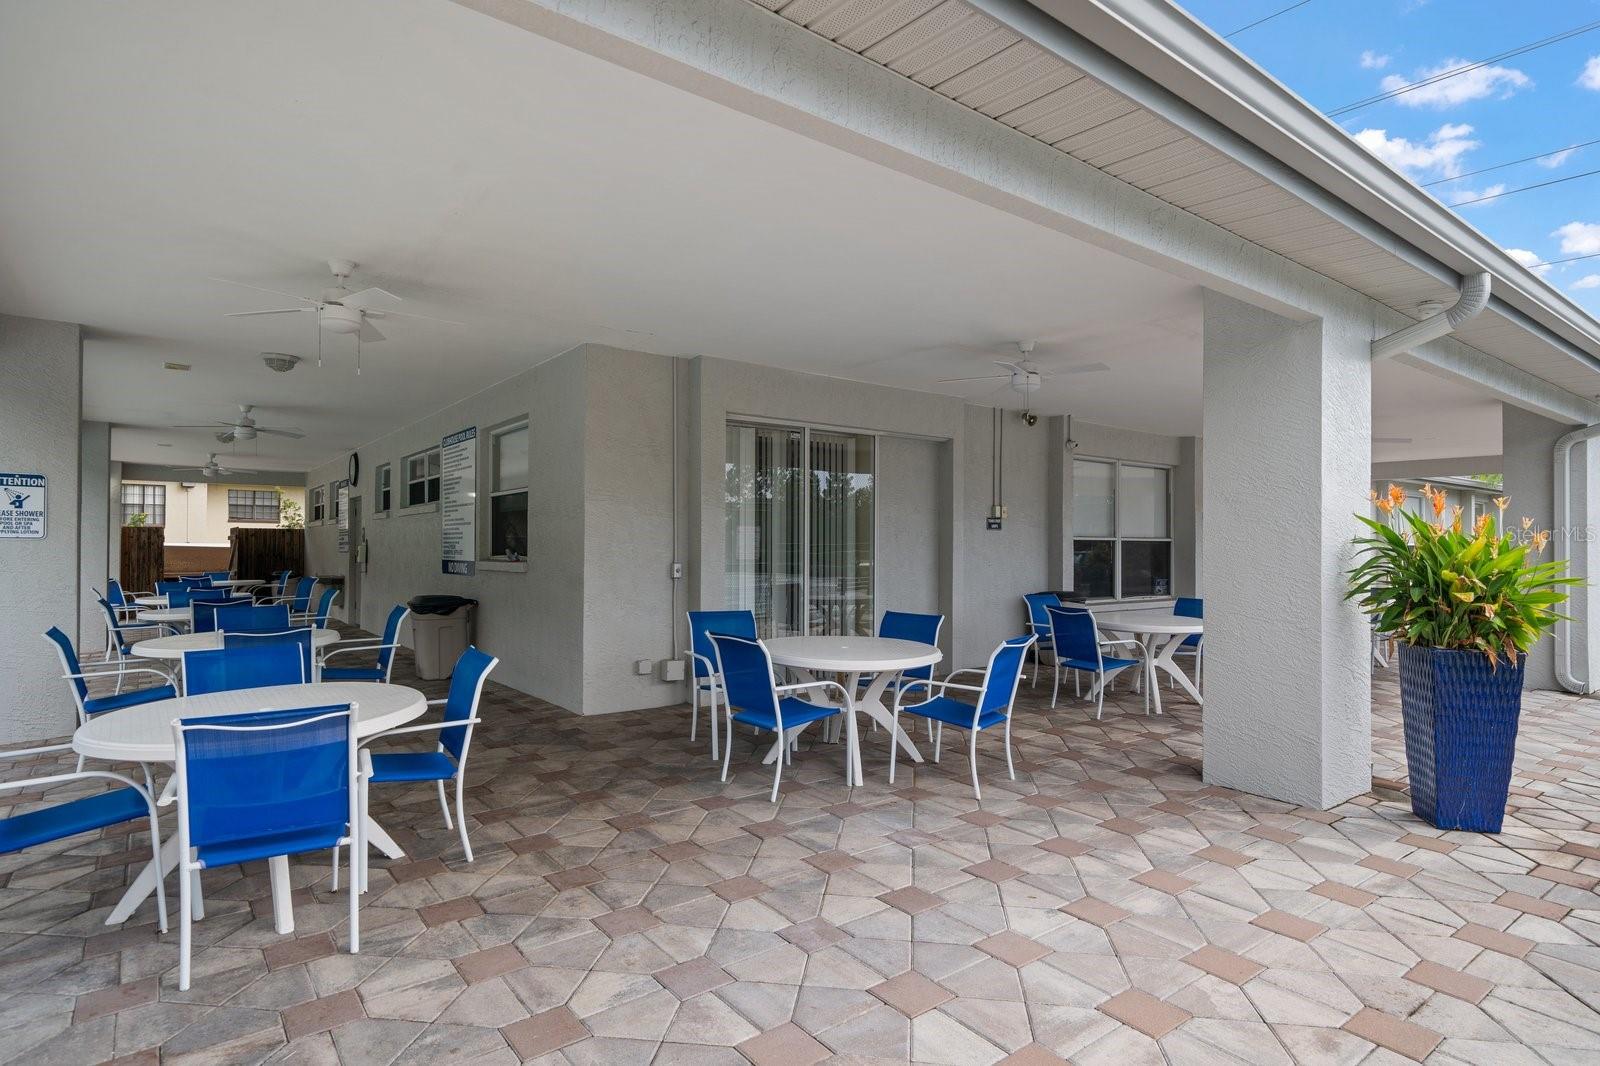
(21, 506)
(458, 502)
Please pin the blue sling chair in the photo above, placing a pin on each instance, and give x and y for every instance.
(385, 649)
(249, 660)
(1079, 646)
(1038, 605)
(753, 699)
(705, 682)
(995, 696)
(78, 678)
(273, 618)
(1194, 644)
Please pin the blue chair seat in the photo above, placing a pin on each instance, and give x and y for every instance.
(795, 712)
(1091, 666)
(412, 766)
(102, 704)
(952, 711)
(70, 818)
(270, 844)
(352, 673)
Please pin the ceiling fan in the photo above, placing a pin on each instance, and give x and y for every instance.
(213, 468)
(1023, 375)
(244, 428)
(339, 310)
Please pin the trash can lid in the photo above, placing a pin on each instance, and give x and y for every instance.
(438, 604)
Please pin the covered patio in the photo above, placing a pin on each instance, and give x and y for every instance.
(1107, 906)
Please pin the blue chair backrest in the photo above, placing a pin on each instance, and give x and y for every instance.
(227, 668)
(1005, 670)
(302, 595)
(114, 594)
(298, 637)
(271, 618)
(1189, 607)
(209, 595)
(324, 603)
(922, 628)
(391, 635)
(729, 623)
(1073, 634)
(265, 772)
(280, 582)
(205, 612)
(167, 588)
(219, 575)
(466, 685)
(196, 582)
(113, 624)
(178, 597)
(746, 671)
(1039, 604)
(69, 658)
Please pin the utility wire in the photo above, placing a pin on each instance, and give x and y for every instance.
(1268, 18)
(1525, 188)
(1512, 163)
(1444, 75)
(1572, 259)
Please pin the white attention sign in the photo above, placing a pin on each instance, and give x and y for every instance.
(21, 506)
(458, 502)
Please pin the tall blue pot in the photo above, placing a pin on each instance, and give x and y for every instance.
(1461, 734)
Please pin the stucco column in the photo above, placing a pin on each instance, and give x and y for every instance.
(1286, 462)
(1528, 441)
(40, 407)
(94, 530)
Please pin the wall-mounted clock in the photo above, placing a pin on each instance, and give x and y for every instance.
(354, 469)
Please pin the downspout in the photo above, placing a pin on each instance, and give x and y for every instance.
(1562, 634)
(1473, 298)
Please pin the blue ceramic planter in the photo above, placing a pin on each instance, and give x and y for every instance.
(1461, 735)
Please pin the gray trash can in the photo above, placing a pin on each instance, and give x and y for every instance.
(441, 629)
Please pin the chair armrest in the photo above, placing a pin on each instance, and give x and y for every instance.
(47, 749)
(146, 625)
(848, 702)
(123, 673)
(425, 727)
(694, 656)
(59, 779)
(1108, 643)
(343, 649)
(964, 670)
(440, 702)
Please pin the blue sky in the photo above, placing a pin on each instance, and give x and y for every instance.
(1335, 52)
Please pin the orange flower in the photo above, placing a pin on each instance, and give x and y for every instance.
(1397, 495)
(1481, 525)
(1527, 523)
(1437, 498)
(1540, 539)
(1502, 502)
(1455, 518)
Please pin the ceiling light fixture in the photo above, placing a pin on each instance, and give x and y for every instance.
(280, 362)
(176, 366)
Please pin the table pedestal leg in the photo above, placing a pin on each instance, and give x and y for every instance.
(381, 840)
(144, 885)
(1162, 659)
(282, 900)
(871, 703)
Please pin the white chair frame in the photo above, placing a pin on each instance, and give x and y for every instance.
(277, 866)
(344, 648)
(1102, 678)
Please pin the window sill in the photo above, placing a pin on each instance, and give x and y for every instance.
(380, 514)
(501, 566)
(421, 508)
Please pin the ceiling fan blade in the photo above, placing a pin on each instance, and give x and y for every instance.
(275, 311)
(1080, 368)
(207, 425)
(275, 292)
(956, 381)
(426, 318)
(368, 297)
(369, 332)
(295, 433)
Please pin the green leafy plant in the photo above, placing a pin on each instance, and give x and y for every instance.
(290, 516)
(138, 519)
(1438, 585)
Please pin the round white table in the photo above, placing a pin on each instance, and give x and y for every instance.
(1161, 632)
(143, 734)
(150, 601)
(174, 647)
(172, 616)
(881, 659)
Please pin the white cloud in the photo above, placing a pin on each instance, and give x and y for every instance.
(1440, 156)
(1588, 281)
(1555, 159)
(1477, 84)
(1530, 260)
(1579, 238)
(1590, 78)
(1477, 197)
(1371, 60)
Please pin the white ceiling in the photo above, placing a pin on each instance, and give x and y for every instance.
(491, 176)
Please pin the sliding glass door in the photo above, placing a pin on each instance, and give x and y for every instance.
(799, 529)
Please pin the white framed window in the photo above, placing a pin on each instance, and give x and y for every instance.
(421, 471)
(508, 491)
(1121, 529)
(381, 486)
(150, 501)
(254, 505)
(319, 503)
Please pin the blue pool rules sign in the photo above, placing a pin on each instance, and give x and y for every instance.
(21, 506)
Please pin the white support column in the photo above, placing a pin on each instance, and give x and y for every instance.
(1528, 442)
(1286, 462)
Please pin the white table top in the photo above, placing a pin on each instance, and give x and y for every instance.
(150, 601)
(1148, 622)
(168, 615)
(144, 733)
(174, 647)
(853, 655)
(236, 582)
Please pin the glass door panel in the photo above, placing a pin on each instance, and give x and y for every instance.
(841, 526)
(765, 527)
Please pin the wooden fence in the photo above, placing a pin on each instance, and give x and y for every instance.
(260, 553)
(143, 557)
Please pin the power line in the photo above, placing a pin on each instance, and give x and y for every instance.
(1444, 75)
(1268, 18)
(1525, 188)
(1571, 259)
(1512, 163)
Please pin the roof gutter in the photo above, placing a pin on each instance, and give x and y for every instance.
(1157, 55)
(1474, 298)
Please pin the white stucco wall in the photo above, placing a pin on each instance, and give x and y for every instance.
(39, 579)
(94, 529)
